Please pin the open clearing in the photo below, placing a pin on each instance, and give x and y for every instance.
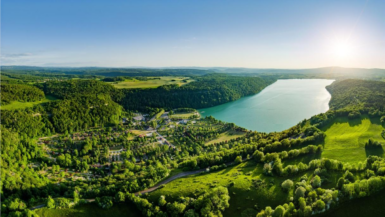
(139, 132)
(183, 115)
(21, 105)
(231, 134)
(345, 139)
(152, 83)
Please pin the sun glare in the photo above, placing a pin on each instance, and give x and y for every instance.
(342, 49)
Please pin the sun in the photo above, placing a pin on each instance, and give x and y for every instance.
(342, 49)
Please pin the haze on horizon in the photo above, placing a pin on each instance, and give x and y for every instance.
(253, 34)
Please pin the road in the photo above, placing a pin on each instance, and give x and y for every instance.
(148, 190)
(172, 178)
(179, 175)
(165, 139)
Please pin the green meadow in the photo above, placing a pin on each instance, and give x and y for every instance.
(231, 134)
(183, 115)
(152, 83)
(22, 105)
(345, 139)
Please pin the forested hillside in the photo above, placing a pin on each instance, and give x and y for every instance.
(73, 88)
(100, 71)
(84, 111)
(86, 103)
(206, 91)
(20, 92)
(357, 94)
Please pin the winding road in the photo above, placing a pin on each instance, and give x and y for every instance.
(148, 190)
(172, 178)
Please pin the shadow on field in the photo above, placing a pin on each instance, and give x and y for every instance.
(377, 151)
(341, 120)
(375, 121)
(354, 122)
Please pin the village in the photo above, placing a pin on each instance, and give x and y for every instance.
(95, 152)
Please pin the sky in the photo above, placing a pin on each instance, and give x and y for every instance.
(199, 33)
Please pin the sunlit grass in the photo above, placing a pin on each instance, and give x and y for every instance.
(134, 83)
(22, 105)
(345, 139)
(230, 134)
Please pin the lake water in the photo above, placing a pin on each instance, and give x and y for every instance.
(278, 107)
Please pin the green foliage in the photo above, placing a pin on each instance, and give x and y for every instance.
(357, 94)
(162, 201)
(213, 202)
(104, 202)
(258, 156)
(316, 182)
(299, 192)
(238, 160)
(206, 91)
(113, 79)
(20, 92)
(120, 197)
(50, 203)
(287, 185)
(74, 88)
(82, 112)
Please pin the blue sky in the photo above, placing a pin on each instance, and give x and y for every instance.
(256, 34)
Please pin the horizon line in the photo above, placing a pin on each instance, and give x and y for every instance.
(184, 67)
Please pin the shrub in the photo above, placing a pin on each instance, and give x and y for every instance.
(104, 202)
(300, 192)
(258, 156)
(287, 185)
(319, 205)
(316, 182)
(238, 160)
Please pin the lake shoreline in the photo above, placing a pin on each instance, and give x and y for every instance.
(277, 107)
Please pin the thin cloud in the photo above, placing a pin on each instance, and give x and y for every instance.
(16, 55)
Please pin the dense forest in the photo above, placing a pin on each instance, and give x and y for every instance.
(206, 91)
(84, 111)
(357, 94)
(73, 88)
(19, 92)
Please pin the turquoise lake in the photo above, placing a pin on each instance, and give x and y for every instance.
(278, 107)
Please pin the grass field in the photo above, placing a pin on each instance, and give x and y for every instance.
(21, 105)
(345, 139)
(91, 210)
(231, 134)
(183, 115)
(134, 83)
(139, 132)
